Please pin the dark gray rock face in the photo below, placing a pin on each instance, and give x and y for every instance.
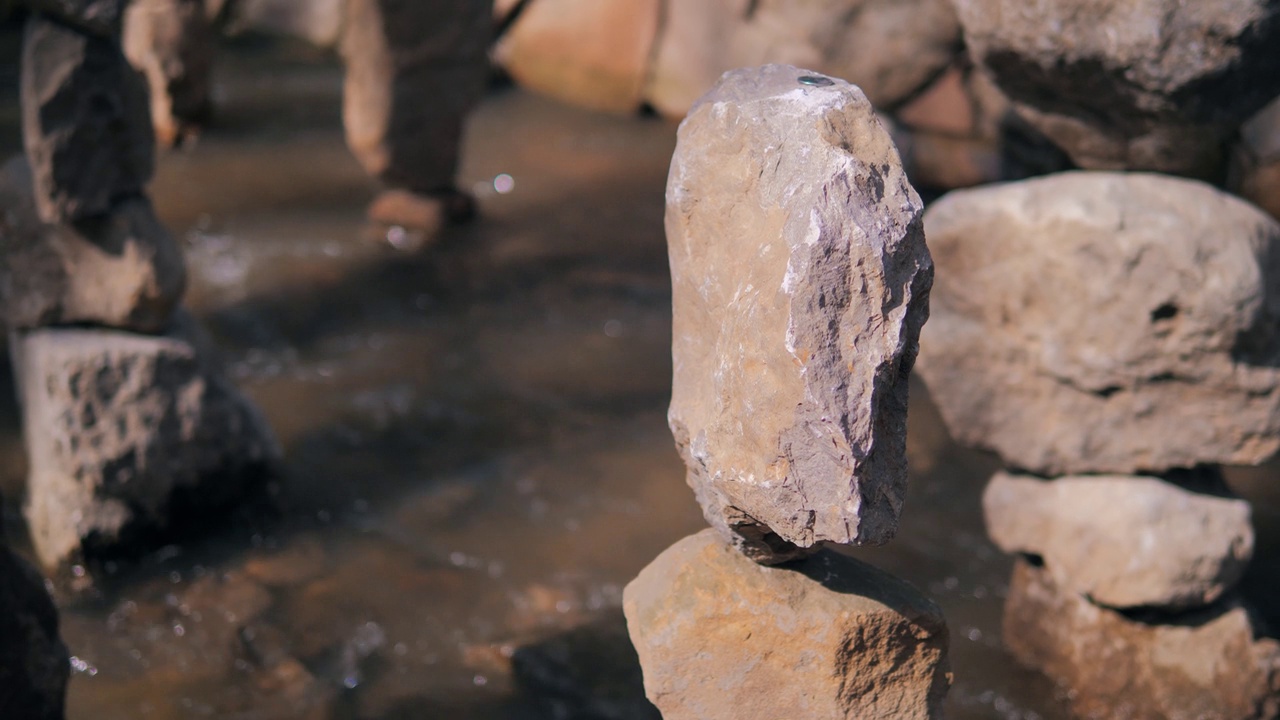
(85, 122)
(1093, 322)
(1136, 84)
(34, 663)
(130, 435)
(800, 282)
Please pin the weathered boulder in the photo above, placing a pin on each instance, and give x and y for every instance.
(413, 71)
(172, 43)
(1139, 84)
(1123, 541)
(1095, 322)
(889, 48)
(121, 270)
(1207, 664)
(130, 436)
(85, 122)
(34, 664)
(800, 280)
(1255, 168)
(593, 53)
(720, 637)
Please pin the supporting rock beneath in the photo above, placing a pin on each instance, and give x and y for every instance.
(129, 436)
(34, 664)
(722, 638)
(1123, 541)
(1207, 664)
(800, 281)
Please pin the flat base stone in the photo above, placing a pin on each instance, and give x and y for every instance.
(722, 638)
(1207, 664)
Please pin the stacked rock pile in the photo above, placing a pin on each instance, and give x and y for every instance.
(131, 427)
(800, 283)
(1114, 337)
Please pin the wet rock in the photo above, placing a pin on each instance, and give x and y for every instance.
(800, 281)
(1256, 160)
(828, 637)
(130, 436)
(593, 53)
(100, 17)
(33, 661)
(319, 22)
(1142, 84)
(1208, 664)
(889, 48)
(121, 270)
(303, 559)
(1123, 541)
(85, 122)
(172, 43)
(414, 70)
(1105, 323)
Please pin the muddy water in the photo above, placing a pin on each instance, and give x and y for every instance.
(477, 453)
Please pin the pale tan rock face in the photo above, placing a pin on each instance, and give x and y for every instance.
(800, 281)
(1093, 322)
(721, 638)
(1123, 541)
(593, 53)
(172, 44)
(1207, 664)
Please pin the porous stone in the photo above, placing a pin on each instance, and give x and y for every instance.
(34, 663)
(86, 125)
(1139, 84)
(593, 53)
(130, 437)
(721, 638)
(1207, 664)
(120, 270)
(1093, 322)
(1123, 541)
(800, 280)
(413, 72)
(172, 43)
(889, 48)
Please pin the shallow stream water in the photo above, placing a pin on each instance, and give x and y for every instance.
(477, 453)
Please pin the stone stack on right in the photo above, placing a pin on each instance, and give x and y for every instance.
(1113, 337)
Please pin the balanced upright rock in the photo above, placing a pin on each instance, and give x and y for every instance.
(800, 281)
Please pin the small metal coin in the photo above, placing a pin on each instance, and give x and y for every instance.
(813, 80)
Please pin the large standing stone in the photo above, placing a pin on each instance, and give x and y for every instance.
(128, 436)
(721, 638)
(414, 70)
(889, 48)
(172, 43)
(1138, 84)
(1209, 664)
(121, 270)
(33, 661)
(1106, 323)
(800, 281)
(593, 53)
(85, 122)
(1123, 541)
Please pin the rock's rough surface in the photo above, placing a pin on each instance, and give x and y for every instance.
(1139, 84)
(85, 122)
(1095, 322)
(130, 435)
(800, 282)
(1256, 160)
(33, 661)
(593, 53)
(1123, 541)
(721, 638)
(172, 43)
(889, 48)
(1209, 664)
(121, 270)
(414, 70)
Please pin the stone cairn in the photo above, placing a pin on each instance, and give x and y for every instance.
(800, 283)
(132, 429)
(1114, 337)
